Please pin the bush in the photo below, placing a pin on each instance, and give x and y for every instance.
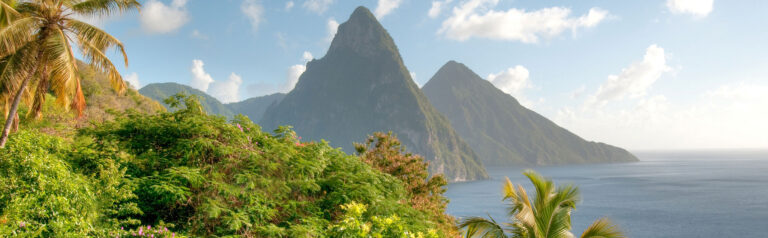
(353, 224)
(203, 176)
(41, 195)
(180, 173)
(384, 152)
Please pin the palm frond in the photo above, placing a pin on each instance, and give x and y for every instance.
(13, 69)
(526, 214)
(511, 195)
(39, 93)
(480, 227)
(65, 79)
(556, 212)
(544, 188)
(104, 7)
(29, 8)
(602, 228)
(17, 34)
(101, 63)
(8, 12)
(95, 37)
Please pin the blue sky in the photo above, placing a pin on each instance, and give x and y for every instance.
(653, 74)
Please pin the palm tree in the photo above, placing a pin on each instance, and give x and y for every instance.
(36, 53)
(547, 216)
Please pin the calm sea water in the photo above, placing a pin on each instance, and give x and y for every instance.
(680, 194)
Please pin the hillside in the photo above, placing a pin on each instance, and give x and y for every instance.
(255, 107)
(101, 104)
(161, 91)
(362, 86)
(503, 132)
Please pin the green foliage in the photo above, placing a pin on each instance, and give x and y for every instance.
(179, 173)
(353, 224)
(200, 175)
(385, 153)
(160, 91)
(253, 108)
(103, 103)
(37, 55)
(44, 196)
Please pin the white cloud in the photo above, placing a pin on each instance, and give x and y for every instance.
(157, 17)
(513, 81)
(253, 11)
(698, 8)
(385, 7)
(633, 81)
(476, 18)
(289, 5)
(333, 27)
(133, 80)
(200, 79)
(295, 71)
(306, 56)
(437, 7)
(629, 114)
(317, 6)
(728, 116)
(227, 91)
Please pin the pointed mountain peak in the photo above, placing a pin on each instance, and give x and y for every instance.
(455, 67)
(363, 34)
(362, 14)
(456, 72)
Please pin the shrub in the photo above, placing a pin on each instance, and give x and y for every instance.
(41, 195)
(384, 152)
(353, 224)
(204, 176)
(173, 174)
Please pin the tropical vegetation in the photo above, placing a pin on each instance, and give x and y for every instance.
(194, 174)
(547, 215)
(37, 57)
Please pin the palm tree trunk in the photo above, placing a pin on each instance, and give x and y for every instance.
(14, 108)
(17, 99)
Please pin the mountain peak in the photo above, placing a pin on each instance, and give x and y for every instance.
(362, 13)
(503, 132)
(455, 67)
(362, 86)
(453, 71)
(362, 34)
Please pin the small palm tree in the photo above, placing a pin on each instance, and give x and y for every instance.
(36, 54)
(547, 216)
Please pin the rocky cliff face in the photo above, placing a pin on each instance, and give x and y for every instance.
(362, 86)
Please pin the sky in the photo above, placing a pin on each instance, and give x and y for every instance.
(644, 75)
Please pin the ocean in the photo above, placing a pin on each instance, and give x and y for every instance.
(666, 194)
